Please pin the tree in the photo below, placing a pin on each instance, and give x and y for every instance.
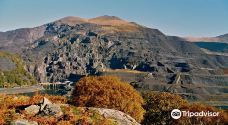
(108, 92)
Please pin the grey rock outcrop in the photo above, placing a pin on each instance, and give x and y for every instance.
(45, 107)
(32, 110)
(48, 108)
(119, 117)
(53, 110)
(44, 103)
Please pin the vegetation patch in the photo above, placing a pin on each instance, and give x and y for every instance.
(158, 106)
(12, 109)
(17, 76)
(108, 92)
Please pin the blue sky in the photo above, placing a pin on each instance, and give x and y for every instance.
(173, 17)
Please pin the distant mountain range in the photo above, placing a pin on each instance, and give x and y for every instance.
(72, 47)
(214, 44)
(221, 38)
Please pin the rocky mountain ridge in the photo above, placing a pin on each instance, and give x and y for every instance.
(72, 47)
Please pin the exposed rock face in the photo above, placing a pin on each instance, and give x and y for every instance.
(119, 117)
(73, 47)
(68, 52)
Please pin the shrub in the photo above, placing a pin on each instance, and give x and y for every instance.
(158, 107)
(221, 119)
(108, 92)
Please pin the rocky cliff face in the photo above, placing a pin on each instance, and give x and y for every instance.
(72, 47)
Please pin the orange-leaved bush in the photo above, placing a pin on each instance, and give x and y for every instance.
(221, 119)
(158, 106)
(108, 92)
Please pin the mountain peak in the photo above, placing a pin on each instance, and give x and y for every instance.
(106, 17)
(109, 23)
(101, 20)
(72, 20)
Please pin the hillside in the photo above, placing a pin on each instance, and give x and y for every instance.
(72, 47)
(12, 71)
(220, 38)
(14, 41)
(223, 37)
(213, 46)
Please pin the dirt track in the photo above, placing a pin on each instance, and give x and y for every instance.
(21, 90)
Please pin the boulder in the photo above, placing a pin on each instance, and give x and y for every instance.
(48, 108)
(119, 117)
(44, 102)
(32, 110)
(23, 122)
(53, 109)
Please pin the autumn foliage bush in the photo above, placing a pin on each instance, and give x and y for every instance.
(221, 119)
(158, 106)
(108, 92)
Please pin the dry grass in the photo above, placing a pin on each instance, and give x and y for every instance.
(108, 24)
(115, 25)
(10, 110)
